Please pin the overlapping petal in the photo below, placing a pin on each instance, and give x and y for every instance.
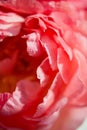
(10, 24)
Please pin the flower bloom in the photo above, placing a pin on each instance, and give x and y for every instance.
(43, 58)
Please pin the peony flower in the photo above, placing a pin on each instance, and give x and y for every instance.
(43, 59)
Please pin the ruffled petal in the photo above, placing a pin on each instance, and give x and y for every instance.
(10, 24)
(45, 73)
(34, 47)
(52, 100)
(51, 48)
(3, 98)
(24, 6)
(70, 118)
(21, 96)
(82, 62)
(66, 67)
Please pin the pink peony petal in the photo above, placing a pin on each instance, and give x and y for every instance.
(10, 24)
(51, 48)
(21, 96)
(34, 47)
(3, 98)
(24, 6)
(75, 91)
(11, 17)
(70, 118)
(82, 62)
(64, 64)
(30, 6)
(53, 98)
(79, 41)
(44, 72)
(35, 21)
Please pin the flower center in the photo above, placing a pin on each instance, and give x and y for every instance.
(18, 66)
(8, 83)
